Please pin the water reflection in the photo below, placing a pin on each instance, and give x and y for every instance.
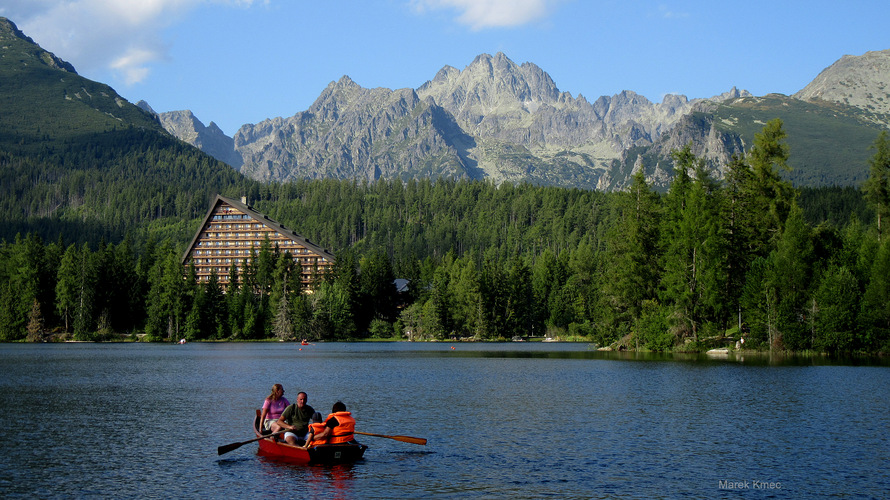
(748, 358)
(314, 481)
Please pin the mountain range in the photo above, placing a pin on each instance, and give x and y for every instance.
(501, 121)
(494, 120)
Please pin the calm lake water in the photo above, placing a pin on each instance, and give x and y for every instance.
(503, 420)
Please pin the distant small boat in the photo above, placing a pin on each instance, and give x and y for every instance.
(321, 454)
(549, 339)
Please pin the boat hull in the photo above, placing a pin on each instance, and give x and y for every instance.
(322, 454)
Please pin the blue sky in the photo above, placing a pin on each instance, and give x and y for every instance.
(241, 61)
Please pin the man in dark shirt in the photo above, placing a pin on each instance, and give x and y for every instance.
(296, 419)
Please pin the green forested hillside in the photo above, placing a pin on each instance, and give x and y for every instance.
(828, 142)
(78, 160)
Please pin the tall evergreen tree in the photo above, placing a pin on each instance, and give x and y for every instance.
(771, 197)
(695, 248)
(463, 291)
(835, 306)
(632, 256)
(166, 298)
(877, 186)
(67, 285)
(216, 307)
(874, 314)
(790, 278)
(377, 291)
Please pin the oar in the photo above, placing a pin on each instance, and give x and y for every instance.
(234, 446)
(406, 439)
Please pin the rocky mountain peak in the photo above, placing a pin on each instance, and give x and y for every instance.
(733, 93)
(492, 83)
(185, 126)
(858, 81)
(144, 105)
(9, 31)
(444, 74)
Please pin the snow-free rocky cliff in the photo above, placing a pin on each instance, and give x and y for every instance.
(501, 121)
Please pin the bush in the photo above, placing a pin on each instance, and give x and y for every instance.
(654, 329)
(380, 329)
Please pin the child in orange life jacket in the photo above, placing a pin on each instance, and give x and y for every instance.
(339, 427)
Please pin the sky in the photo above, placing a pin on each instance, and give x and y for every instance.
(236, 62)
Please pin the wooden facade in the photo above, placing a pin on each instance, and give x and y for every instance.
(231, 235)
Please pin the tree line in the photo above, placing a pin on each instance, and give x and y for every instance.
(746, 256)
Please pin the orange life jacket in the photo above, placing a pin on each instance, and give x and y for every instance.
(343, 433)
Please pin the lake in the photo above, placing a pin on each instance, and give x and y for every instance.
(510, 420)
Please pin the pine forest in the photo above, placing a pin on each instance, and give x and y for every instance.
(711, 262)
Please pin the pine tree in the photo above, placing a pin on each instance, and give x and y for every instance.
(67, 285)
(216, 307)
(877, 186)
(85, 295)
(835, 305)
(695, 247)
(632, 254)
(282, 325)
(790, 278)
(166, 298)
(36, 330)
(463, 291)
(771, 198)
(874, 314)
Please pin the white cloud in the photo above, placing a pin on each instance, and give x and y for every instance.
(667, 13)
(134, 65)
(481, 14)
(119, 35)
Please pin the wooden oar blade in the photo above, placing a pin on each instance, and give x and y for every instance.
(234, 446)
(409, 439)
(405, 439)
(227, 448)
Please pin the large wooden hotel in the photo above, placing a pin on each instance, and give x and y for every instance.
(232, 233)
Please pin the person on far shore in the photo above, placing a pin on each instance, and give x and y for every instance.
(339, 427)
(274, 404)
(296, 419)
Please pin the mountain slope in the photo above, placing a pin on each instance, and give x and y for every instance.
(187, 127)
(859, 81)
(78, 160)
(828, 142)
(352, 132)
(43, 96)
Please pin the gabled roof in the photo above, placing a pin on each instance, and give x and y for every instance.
(258, 217)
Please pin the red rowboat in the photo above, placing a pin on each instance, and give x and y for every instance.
(321, 454)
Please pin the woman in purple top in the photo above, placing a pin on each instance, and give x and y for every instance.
(273, 406)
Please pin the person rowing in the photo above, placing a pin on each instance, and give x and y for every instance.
(296, 419)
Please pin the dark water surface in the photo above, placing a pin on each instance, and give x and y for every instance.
(503, 420)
